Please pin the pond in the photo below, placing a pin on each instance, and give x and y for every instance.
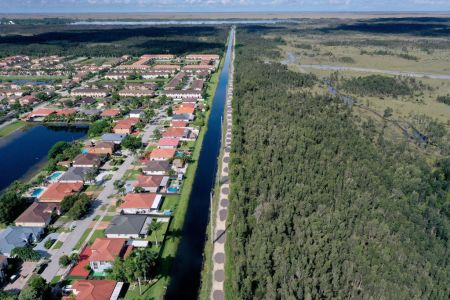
(24, 151)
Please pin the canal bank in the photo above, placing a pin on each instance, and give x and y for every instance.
(187, 265)
(24, 152)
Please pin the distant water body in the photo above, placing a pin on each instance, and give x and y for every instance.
(184, 22)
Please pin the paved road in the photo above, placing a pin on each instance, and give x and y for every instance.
(83, 225)
(367, 70)
(148, 131)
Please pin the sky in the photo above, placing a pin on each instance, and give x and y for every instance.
(77, 6)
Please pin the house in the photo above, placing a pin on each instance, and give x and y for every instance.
(125, 126)
(185, 109)
(110, 113)
(140, 203)
(176, 80)
(162, 154)
(156, 74)
(28, 100)
(148, 57)
(128, 226)
(207, 57)
(103, 148)
(90, 112)
(58, 190)
(182, 94)
(105, 251)
(151, 183)
(96, 289)
(176, 133)
(41, 113)
(178, 124)
(86, 92)
(86, 101)
(136, 93)
(37, 215)
(198, 68)
(113, 137)
(156, 167)
(18, 236)
(86, 160)
(66, 112)
(168, 143)
(3, 266)
(136, 113)
(197, 84)
(77, 174)
(183, 117)
(166, 68)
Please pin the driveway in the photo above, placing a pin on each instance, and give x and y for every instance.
(25, 273)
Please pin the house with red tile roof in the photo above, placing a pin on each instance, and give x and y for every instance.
(151, 183)
(178, 124)
(162, 154)
(176, 133)
(125, 126)
(79, 270)
(96, 290)
(40, 113)
(105, 251)
(140, 203)
(58, 190)
(168, 143)
(66, 112)
(110, 112)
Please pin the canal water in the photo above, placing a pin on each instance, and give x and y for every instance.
(189, 258)
(22, 152)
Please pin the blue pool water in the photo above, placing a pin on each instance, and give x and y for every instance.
(54, 176)
(172, 189)
(179, 154)
(37, 192)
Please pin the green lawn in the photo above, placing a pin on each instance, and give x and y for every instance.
(157, 289)
(94, 188)
(97, 234)
(57, 245)
(130, 174)
(107, 218)
(8, 129)
(82, 239)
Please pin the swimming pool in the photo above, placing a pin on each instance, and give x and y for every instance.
(172, 189)
(55, 175)
(179, 154)
(37, 192)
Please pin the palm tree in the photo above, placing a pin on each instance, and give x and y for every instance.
(154, 227)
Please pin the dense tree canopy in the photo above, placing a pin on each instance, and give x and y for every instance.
(321, 208)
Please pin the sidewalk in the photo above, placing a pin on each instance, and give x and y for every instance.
(219, 233)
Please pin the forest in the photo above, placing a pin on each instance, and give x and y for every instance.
(321, 207)
(380, 85)
(108, 41)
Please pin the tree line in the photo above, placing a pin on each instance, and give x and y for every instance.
(323, 208)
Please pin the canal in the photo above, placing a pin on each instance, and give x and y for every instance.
(22, 152)
(188, 262)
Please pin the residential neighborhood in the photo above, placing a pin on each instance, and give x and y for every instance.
(110, 196)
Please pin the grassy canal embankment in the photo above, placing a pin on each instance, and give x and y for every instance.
(157, 289)
(10, 128)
